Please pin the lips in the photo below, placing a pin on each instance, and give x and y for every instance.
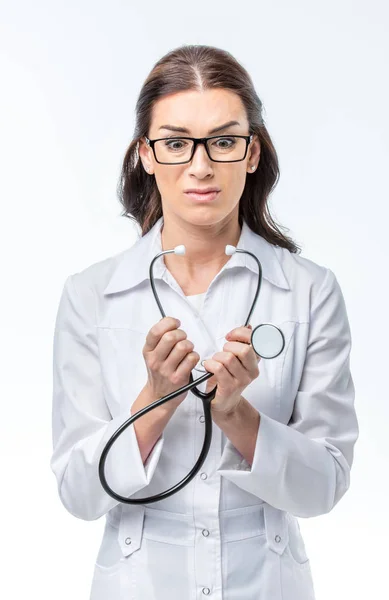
(202, 191)
(202, 197)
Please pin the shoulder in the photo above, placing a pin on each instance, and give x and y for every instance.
(311, 283)
(91, 281)
(302, 272)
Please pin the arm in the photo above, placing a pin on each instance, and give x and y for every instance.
(82, 423)
(241, 428)
(304, 467)
(150, 427)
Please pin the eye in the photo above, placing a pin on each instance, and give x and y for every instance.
(175, 144)
(226, 142)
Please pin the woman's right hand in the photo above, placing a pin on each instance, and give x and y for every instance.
(169, 359)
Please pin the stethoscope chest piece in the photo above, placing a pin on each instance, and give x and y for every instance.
(267, 340)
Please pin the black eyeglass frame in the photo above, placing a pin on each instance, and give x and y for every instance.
(197, 141)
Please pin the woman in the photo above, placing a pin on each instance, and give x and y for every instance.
(284, 429)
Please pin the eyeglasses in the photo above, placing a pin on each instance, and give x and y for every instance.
(180, 150)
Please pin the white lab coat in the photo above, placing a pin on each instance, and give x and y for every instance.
(232, 533)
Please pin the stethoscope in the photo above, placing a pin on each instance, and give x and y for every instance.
(267, 341)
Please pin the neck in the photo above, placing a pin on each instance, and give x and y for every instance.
(204, 246)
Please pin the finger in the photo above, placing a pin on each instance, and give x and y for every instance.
(157, 331)
(180, 352)
(222, 376)
(245, 354)
(168, 343)
(240, 334)
(232, 365)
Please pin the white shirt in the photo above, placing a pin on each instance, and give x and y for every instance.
(232, 532)
(197, 301)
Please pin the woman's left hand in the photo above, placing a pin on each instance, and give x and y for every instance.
(233, 370)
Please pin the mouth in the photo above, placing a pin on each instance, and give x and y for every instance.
(203, 197)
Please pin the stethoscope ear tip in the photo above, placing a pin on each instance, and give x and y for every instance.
(230, 250)
(179, 250)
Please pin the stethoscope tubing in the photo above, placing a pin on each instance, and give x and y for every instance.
(205, 397)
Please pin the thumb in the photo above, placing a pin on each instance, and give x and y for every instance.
(211, 382)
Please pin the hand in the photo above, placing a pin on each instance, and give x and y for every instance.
(234, 369)
(169, 359)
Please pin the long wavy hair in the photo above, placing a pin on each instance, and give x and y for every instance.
(199, 67)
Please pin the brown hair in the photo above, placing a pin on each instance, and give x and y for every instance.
(198, 67)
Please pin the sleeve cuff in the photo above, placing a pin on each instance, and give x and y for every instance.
(254, 478)
(258, 478)
(124, 469)
(290, 471)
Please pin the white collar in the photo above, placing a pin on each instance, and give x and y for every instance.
(133, 265)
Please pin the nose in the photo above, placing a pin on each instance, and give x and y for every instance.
(200, 159)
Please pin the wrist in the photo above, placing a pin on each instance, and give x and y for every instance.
(148, 397)
(228, 413)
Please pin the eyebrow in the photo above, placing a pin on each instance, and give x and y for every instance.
(184, 130)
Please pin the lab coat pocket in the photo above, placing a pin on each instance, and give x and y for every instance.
(108, 576)
(110, 556)
(296, 547)
(163, 566)
(265, 391)
(296, 577)
(114, 573)
(287, 563)
(297, 581)
(244, 551)
(272, 367)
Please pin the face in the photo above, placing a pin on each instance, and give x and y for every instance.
(199, 113)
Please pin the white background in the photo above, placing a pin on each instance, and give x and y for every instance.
(70, 76)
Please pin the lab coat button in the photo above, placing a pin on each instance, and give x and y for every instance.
(202, 419)
(277, 539)
(206, 591)
(203, 476)
(128, 541)
(205, 532)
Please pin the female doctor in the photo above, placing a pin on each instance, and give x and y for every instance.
(284, 429)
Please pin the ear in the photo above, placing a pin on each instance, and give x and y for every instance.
(145, 154)
(255, 151)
